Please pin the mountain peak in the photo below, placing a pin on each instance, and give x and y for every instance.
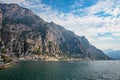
(26, 34)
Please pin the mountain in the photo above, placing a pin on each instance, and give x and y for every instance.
(24, 34)
(107, 50)
(115, 54)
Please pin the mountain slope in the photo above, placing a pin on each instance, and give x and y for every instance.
(25, 34)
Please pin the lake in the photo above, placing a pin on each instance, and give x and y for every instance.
(62, 70)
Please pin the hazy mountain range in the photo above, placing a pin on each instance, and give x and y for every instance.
(115, 54)
(24, 34)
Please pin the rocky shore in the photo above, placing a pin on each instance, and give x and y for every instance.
(6, 61)
(6, 65)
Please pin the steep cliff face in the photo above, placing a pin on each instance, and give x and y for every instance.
(25, 34)
(0, 22)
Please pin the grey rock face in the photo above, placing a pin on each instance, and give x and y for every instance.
(24, 33)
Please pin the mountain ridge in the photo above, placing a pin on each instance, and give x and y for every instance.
(115, 54)
(25, 34)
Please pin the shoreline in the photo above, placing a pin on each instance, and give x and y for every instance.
(6, 65)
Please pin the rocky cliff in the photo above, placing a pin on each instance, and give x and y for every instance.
(24, 34)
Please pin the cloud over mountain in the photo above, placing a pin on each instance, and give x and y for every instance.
(98, 19)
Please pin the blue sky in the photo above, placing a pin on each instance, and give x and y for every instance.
(98, 20)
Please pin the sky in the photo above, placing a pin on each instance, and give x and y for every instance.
(97, 20)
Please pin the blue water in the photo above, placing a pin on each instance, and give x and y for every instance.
(64, 70)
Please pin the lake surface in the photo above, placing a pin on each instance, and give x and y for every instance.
(64, 70)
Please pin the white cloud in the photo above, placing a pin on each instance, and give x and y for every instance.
(111, 7)
(77, 4)
(11, 1)
(89, 25)
(109, 45)
(116, 34)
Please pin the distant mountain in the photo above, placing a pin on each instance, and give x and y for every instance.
(108, 50)
(115, 54)
(24, 34)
